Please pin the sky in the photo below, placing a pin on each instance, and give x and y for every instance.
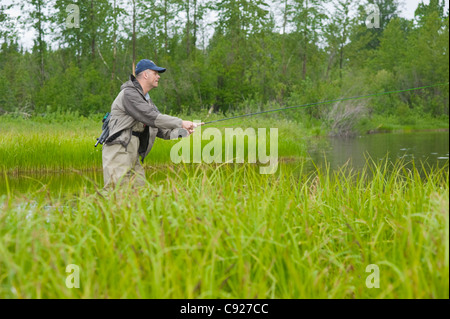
(26, 36)
(411, 5)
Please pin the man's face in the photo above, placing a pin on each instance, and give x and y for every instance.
(152, 78)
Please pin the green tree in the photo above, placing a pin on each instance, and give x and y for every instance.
(391, 54)
(337, 33)
(308, 19)
(428, 56)
(38, 19)
(230, 48)
(7, 30)
(93, 30)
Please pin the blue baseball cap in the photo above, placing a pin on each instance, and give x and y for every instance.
(147, 64)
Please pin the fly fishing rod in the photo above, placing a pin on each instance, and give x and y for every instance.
(326, 102)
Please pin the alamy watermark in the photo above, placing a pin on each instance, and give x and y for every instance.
(373, 280)
(373, 18)
(73, 280)
(73, 19)
(257, 147)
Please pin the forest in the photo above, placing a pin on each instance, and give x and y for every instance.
(224, 56)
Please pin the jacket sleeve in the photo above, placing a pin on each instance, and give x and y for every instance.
(141, 111)
(171, 134)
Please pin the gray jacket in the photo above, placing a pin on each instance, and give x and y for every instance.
(131, 107)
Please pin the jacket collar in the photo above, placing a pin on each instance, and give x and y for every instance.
(136, 84)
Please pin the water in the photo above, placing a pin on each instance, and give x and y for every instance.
(430, 148)
(53, 183)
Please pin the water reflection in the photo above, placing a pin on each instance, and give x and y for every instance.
(429, 148)
(54, 183)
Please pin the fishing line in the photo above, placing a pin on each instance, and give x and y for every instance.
(326, 102)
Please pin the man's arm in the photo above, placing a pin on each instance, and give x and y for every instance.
(172, 134)
(186, 130)
(140, 110)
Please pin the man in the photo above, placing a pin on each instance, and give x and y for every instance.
(134, 124)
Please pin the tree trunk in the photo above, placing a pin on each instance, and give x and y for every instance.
(283, 52)
(92, 30)
(188, 5)
(304, 66)
(305, 42)
(194, 39)
(114, 42)
(165, 26)
(134, 37)
(330, 63)
(41, 45)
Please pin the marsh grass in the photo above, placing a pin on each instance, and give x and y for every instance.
(34, 146)
(226, 231)
(53, 146)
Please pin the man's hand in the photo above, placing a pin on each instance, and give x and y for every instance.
(190, 126)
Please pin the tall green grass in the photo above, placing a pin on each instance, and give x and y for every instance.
(228, 232)
(33, 145)
(55, 145)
